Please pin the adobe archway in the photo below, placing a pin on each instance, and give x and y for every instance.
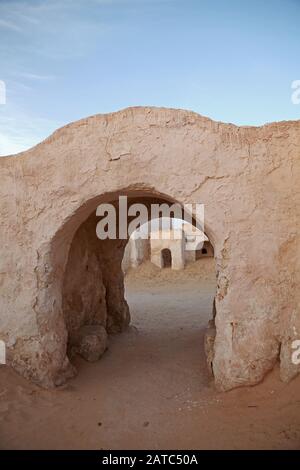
(48, 191)
(93, 282)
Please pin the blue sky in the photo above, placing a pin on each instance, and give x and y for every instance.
(62, 60)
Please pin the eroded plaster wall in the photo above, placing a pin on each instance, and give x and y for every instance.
(248, 180)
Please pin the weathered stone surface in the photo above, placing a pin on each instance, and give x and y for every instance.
(84, 294)
(92, 342)
(248, 180)
(209, 341)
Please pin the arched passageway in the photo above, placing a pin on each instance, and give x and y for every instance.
(244, 177)
(93, 300)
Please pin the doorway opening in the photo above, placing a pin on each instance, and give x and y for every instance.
(173, 305)
(166, 258)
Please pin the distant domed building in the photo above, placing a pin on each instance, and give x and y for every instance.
(172, 246)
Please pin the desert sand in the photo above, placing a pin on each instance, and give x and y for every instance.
(151, 389)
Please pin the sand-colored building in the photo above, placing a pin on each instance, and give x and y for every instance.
(167, 248)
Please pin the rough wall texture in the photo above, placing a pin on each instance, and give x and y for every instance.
(248, 179)
(84, 295)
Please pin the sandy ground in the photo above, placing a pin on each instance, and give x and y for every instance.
(151, 389)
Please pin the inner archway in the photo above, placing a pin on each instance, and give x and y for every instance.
(93, 298)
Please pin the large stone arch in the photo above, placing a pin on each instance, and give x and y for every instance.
(245, 177)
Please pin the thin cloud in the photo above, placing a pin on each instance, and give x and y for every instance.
(20, 131)
(10, 146)
(29, 19)
(35, 76)
(9, 25)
